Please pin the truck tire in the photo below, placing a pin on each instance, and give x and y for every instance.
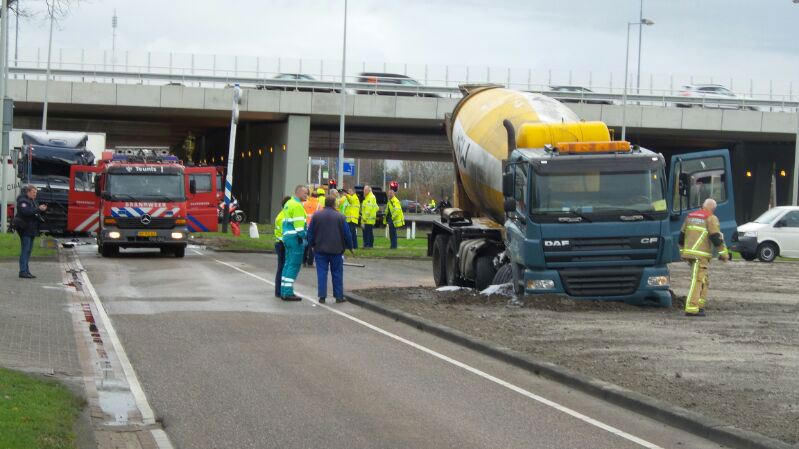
(109, 250)
(453, 275)
(484, 272)
(180, 251)
(440, 260)
(504, 275)
(767, 252)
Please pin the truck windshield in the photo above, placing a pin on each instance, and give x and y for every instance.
(167, 187)
(590, 192)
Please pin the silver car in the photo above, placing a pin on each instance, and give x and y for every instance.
(711, 96)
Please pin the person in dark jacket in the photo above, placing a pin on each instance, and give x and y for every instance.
(329, 236)
(27, 224)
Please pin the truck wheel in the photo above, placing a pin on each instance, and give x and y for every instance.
(440, 260)
(453, 276)
(767, 252)
(504, 275)
(484, 273)
(109, 250)
(180, 251)
(748, 256)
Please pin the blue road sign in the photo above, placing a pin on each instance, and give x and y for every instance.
(349, 169)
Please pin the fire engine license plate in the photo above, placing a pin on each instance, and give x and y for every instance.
(147, 234)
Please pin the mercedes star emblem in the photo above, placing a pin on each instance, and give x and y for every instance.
(146, 219)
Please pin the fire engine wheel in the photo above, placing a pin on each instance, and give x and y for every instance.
(484, 272)
(440, 260)
(109, 250)
(453, 275)
(180, 251)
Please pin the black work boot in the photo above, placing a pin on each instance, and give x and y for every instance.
(700, 313)
(322, 300)
(291, 298)
(340, 299)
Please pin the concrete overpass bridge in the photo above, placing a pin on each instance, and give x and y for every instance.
(284, 124)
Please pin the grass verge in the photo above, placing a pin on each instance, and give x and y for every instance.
(36, 413)
(411, 248)
(9, 247)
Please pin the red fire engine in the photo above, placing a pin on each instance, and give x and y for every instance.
(141, 198)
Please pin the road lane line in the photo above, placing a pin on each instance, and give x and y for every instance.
(471, 369)
(148, 417)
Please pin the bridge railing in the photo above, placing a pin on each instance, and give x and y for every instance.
(384, 86)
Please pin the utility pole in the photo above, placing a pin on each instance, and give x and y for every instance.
(340, 163)
(4, 151)
(49, 53)
(114, 22)
(640, 35)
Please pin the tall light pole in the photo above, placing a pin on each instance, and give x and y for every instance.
(627, 69)
(640, 35)
(340, 163)
(231, 154)
(114, 22)
(49, 53)
(4, 151)
(795, 190)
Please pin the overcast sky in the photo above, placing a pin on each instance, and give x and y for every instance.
(724, 39)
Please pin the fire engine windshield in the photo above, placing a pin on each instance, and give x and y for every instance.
(149, 187)
(600, 192)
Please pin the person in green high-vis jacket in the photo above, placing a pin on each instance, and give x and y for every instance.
(294, 241)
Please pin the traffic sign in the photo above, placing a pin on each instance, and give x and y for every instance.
(349, 169)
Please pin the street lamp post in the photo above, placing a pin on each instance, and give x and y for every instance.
(795, 190)
(340, 163)
(640, 36)
(626, 70)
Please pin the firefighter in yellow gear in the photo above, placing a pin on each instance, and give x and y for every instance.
(351, 213)
(699, 236)
(394, 216)
(369, 210)
(280, 249)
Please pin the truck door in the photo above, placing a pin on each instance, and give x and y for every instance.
(83, 210)
(693, 178)
(202, 214)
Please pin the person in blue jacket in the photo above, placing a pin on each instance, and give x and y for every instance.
(329, 236)
(27, 219)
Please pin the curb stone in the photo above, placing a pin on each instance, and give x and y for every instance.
(703, 426)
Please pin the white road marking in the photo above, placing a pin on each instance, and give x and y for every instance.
(471, 369)
(148, 417)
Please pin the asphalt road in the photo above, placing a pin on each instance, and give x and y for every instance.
(226, 365)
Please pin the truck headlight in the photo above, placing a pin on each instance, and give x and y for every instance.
(658, 281)
(750, 234)
(177, 235)
(540, 284)
(114, 235)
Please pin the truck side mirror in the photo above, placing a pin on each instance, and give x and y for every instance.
(507, 184)
(97, 187)
(685, 182)
(192, 186)
(509, 205)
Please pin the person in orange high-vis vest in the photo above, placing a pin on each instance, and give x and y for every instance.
(315, 202)
(699, 236)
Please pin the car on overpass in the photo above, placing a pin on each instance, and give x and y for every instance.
(384, 81)
(711, 96)
(576, 94)
(774, 233)
(298, 78)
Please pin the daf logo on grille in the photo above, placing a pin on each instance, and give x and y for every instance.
(560, 243)
(146, 219)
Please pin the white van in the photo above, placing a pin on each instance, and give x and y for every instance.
(775, 233)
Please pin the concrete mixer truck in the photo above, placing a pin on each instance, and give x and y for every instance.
(553, 205)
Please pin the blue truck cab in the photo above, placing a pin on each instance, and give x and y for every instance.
(603, 221)
(592, 220)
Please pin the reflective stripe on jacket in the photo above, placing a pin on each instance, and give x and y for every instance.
(353, 208)
(293, 219)
(698, 228)
(279, 227)
(395, 210)
(369, 209)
